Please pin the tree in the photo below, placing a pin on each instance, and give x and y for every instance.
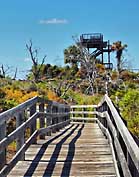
(119, 48)
(129, 105)
(88, 62)
(61, 88)
(77, 54)
(8, 71)
(36, 68)
(71, 55)
(15, 74)
(4, 71)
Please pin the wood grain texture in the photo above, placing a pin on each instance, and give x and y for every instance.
(77, 150)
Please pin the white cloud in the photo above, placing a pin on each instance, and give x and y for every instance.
(27, 59)
(53, 21)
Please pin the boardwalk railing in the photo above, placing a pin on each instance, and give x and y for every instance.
(124, 148)
(36, 116)
(83, 113)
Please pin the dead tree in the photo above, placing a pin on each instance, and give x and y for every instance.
(90, 66)
(89, 63)
(36, 68)
(4, 70)
(15, 74)
(61, 88)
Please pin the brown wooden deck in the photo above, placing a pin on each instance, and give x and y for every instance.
(80, 149)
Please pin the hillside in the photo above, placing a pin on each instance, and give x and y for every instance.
(74, 90)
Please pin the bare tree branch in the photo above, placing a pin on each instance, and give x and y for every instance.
(15, 74)
(4, 70)
(89, 63)
(36, 69)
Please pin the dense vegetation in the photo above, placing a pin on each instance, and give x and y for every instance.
(76, 83)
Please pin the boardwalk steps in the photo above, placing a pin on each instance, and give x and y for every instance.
(77, 150)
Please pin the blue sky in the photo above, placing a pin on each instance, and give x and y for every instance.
(52, 23)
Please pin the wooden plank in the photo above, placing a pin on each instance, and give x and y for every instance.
(83, 119)
(64, 148)
(80, 156)
(54, 114)
(87, 136)
(64, 151)
(76, 169)
(64, 176)
(85, 141)
(83, 112)
(83, 106)
(84, 157)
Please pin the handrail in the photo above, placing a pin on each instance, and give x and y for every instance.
(128, 139)
(52, 116)
(5, 116)
(81, 113)
(107, 116)
(106, 132)
(122, 139)
(83, 106)
(49, 115)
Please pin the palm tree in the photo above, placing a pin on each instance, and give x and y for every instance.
(71, 55)
(119, 48)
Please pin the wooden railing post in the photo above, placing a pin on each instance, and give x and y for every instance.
(64, 117)
(84, 115)
(48, 120)
(73, 109)
(67, 111)
(67, 117)
(3, 152)
(105, 108)
(53, 118)
(42, 119)
(60, 118)
(33, 126)
(21, 139)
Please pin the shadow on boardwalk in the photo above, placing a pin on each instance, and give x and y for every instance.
(52, 162)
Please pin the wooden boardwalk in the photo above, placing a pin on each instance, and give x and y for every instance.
(80, 149)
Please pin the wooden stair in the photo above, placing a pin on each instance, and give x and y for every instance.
(77, 150)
